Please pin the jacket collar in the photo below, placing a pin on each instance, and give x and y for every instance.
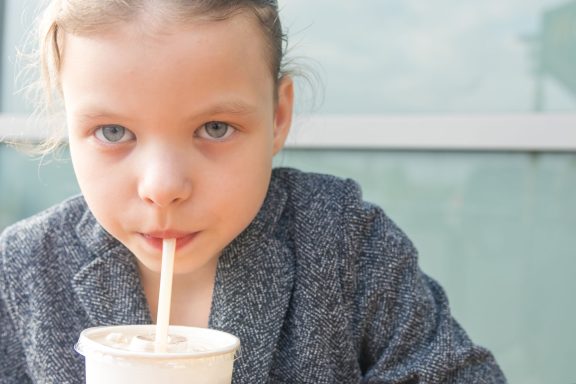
(253, 286)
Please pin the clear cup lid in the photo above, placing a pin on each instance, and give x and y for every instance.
(138, 341)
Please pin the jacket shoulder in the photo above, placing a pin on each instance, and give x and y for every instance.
(30, 240)
(327, 201)
(316, 193)
(333, 227)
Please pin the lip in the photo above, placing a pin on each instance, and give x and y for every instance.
(155, 239)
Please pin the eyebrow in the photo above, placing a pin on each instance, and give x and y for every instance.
(234, 107)
(88, 112)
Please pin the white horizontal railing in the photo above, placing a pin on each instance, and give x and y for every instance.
(528, 132)
(22, 128)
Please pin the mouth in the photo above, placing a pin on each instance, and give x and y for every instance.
(155, 239)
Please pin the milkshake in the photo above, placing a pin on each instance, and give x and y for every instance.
(126, 354)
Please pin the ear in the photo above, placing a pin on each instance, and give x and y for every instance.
(283, 115)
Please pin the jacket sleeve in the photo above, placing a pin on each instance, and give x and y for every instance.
(406, 333)
(12, 358)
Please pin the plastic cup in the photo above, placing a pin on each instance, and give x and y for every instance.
(126, 354)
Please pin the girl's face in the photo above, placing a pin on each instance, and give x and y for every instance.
(172, 134)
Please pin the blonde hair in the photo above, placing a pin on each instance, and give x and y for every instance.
(90, 16)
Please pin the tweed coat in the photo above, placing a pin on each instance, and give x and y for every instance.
(321, 287)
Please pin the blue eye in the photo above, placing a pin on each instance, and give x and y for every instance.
(215, 130)
(113, 133)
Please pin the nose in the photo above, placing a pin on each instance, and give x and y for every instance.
(164, 179)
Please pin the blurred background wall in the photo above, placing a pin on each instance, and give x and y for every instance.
(484, 181)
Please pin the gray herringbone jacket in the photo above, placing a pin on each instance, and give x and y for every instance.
(320, 288)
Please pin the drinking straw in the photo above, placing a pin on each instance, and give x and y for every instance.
(165, 294)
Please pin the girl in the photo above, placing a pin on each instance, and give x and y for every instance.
(174, 110)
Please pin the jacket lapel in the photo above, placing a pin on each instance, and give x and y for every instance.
(108, 284)
(250, 300)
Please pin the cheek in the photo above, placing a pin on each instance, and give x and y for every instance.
(253, 180)
(103, 185)
(80, 162)
(240, 184)
(252, 164)
(87, 170)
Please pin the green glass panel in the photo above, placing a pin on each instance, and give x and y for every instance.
(28, 185)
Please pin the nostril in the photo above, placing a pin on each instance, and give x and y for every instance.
(149, 201)
(163, 197)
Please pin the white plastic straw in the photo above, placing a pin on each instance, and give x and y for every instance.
(165, 294)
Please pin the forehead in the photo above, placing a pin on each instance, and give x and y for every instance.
(150, 30)
(241, 30)
(224, 56)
